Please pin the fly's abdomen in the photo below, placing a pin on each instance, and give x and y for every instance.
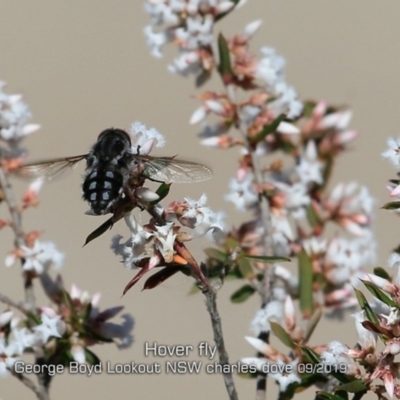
(101, 188)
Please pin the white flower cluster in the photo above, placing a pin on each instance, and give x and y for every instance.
(14, 114)
(187, 23)
(270, 71)
(21, 338)
(38, 258)
(156, 242)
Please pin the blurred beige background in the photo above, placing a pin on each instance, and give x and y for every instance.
(83, 66)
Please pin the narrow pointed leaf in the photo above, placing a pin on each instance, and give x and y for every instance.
(267, 259)
(242, 294)
(393, 205)
(224, 67)
(362, 301)
(382, 273)
(135, 279)
(91, 358)
(311, 355)
(327, 396)
(67, 300)
(204, 76)
(312, 216)
(160, 276)
(282, 335)
(379, 294)
(162, 192)
(245, 268)
(305, 284)
(313, 322)
(268, 129)
(99, 231)
(355, 386)
(216, 254)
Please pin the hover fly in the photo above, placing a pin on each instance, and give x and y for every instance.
(113, 170)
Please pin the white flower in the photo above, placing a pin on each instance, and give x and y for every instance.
(188, 24)
(270, 72)
(23, 338)
(296, 198)
(335, 354)
(14, 114)
(287, 374)
(164, 238)
(349, 257)
(202, 219)
(39, 258)
(339, 120)
(145, 138)
(242, 193)
(156, 40)
(366, 338)
(134, 249)
(393, 152)
(310, 168)
(7, 357)
(5, 318)
(51, 326)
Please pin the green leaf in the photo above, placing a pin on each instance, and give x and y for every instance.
(310, 354)
(355, 386)
(362, 301)
(376, 292)
(305, 284)
(242, 294)
(308, 108)
(194, 290)
(216, 254)
(393, 205)
(282, 335)
(203, 77)
(382, 273)
(91, 358)
(247, 375)
(328, 396)
(268, 129)
(162, 191)
(245, 268)
(224, 67)
(70, 305)
(313, 322)
(312, 216)
(99, 231)
(268, 259)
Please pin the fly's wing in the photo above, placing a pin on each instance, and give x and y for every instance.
(47, 169)
(172, 170)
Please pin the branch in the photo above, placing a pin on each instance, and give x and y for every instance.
(19, 306)
(268, 281)
(18, 232)
(211, 297)
(42, 389)
(30, 385)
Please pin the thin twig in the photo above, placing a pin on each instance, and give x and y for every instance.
(211, 297)
(18, 306)
(29, 384)
(18, 232)
(268, 281)
(41, 390)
